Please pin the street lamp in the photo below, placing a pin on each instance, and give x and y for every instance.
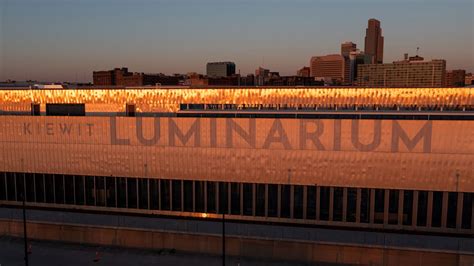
(223, 239)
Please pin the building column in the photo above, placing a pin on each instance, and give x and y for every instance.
(148, 192)
(182, 195)
(159, 194)
(459, 210)
(254, 199)
(194, 195)
(386, 201)
(205, 196)
(344, 204)
(217, 197)
(138, 193)
(279, 201)
(429, 215)
(358, 203)
(241, 188)
(116, 191)
(292, 200)
(444, 211)
(331, 203)
(229, 198)
(401, 197)
(266, 200)
(318, 202)
(415, 208)
(170, 187)
(305, 200)
(372, 205)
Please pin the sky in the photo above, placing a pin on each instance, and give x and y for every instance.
(65, 40)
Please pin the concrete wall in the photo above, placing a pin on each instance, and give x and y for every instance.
(235, 246)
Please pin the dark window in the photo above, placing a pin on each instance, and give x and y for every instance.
(298, 202)
(121, 192)
(248, 199)
(285, 201)
(165, 194)
(154, 194)
(235, 198)
(35, 109)
(69, 187)
(407, 207)
(260, 200)
(59, 188)
(311, 202)
(30, 187)
(272, 200)
(20, 186)
(65, 109)
(379, 205)
(324, 201)
(393, 206)
(188, 195)
(130, 109)
(468, 200)
(452, 209)
(39, 187)
(143, 193)
(422, 208)
(110, 191)
(176, 193)
(49, 185)
(223, 197)
(199, 196)
(338, 201)
(11, 184)
(3, 186)
(351, 204)
(79, 189)
(211, 197)
(132, 192)
(100, 190)
(437, 209)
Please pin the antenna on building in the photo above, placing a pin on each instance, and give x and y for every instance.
(417, 49)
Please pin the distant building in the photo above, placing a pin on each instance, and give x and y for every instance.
(374, 41)
(455, 78)
(220, 69)
(403, 73)
(262, 76)
(469, 79)
(333, 69)
(357, 58)
(304, 72)
(121, 77)
(347, 48)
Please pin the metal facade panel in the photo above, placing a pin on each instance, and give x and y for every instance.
(423, 155)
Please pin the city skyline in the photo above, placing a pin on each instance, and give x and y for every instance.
(279, 36)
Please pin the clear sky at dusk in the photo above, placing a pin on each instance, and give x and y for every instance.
(59, 40)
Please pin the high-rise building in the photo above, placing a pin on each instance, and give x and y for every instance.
(374, 41)
(220, 69)
(303, 72)
(455, 78)
(333, 69)
(356, 58)
(347, 48)
(403, 74)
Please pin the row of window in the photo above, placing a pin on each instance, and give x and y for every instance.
(363, 205)
(332, 107)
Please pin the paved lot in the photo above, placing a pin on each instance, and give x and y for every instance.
(60, 254)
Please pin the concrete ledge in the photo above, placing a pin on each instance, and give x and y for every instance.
(235, 246)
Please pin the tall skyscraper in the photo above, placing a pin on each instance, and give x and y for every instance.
(374, 41)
